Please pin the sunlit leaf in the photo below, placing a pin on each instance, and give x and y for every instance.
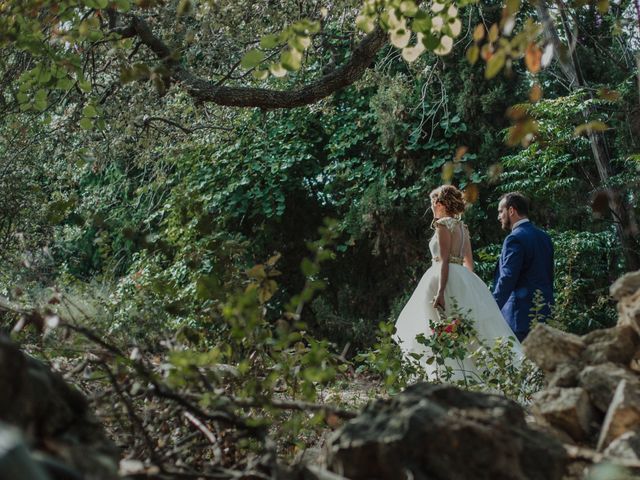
(277, 70)
(512, 7)
(603, 6)
(547, 56)
(471, 193)
(400, 38)
(532, 58)
(260, 74)
(252, 59)
(86, 123)
(495, 64)
(446, 44)
(590, 127)
(473, 52)
(535, 94)
(408, 8)
(447, 172)
(365, 23)
(494, 33)
(609, 95)
(269, 41)
(478, 32)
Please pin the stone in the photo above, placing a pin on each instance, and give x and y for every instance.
(626, 446)
(567, 409)
(623, 414)
(601, 381)
(48, 411)
(565, 375)
(626, 285)
(549, 347)
(440, 432)
(627, 291)
(618, 344)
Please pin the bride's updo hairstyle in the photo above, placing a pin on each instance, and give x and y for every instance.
(450, 197)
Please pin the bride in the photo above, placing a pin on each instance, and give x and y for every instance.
(450, 283)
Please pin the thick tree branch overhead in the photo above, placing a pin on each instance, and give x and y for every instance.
(205, 90)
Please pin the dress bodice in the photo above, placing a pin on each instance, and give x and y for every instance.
(458, 230)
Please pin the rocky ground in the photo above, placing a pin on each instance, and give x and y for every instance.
(584, 424)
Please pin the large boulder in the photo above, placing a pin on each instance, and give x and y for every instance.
(627, 291)
(626, 446)
(623, 414)
(618, 345)
(549, 347)
(53, 416)
(601, 381)
(442, 432)
(567, 409)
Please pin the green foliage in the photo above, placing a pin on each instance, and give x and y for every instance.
(449, 348)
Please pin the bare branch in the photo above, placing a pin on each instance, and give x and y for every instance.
(204, 90)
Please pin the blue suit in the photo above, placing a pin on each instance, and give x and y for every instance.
(525, 266)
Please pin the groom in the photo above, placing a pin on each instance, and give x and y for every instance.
(525, 266)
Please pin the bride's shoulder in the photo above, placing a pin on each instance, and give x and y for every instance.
(448, 222)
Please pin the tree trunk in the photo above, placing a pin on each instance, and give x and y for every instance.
(621, 211)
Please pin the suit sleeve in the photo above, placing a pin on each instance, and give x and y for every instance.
(510, 265)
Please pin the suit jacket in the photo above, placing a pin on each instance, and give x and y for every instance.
(525, 266)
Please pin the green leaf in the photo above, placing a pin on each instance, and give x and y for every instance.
(291, 60)
(102, 3)
(494, 65)
(260, 74)
(431, 42)
(64, 84)
(252, 59)
(269, 41)
(123, 5)
(421, 22)
(472, 54)
(89, 111)
(408, 8)
(86, 123)
(184, 7)
(365, 23)
(513, 6)
(85, 85)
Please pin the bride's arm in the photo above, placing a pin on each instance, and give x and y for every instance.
(444, 241)
(468, 253)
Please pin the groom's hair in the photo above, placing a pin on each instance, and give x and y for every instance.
(516, 200)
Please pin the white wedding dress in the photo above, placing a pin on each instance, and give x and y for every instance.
(463, 288)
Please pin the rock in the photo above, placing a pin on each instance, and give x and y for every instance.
(634, 364)
(626, 285)
(441, 432)
(568, 409)
(565, 375)
(618, 344)
(626, 446)
(52, 415)
(549, 347)
(600, 381)
(623, 414)
(627, 291)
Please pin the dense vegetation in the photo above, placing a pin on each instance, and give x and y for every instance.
(277, 240)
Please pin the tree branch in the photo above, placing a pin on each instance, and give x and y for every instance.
(204, 90)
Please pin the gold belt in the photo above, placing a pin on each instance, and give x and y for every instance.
(452, 259)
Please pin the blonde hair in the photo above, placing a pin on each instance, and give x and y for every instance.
(450, 197)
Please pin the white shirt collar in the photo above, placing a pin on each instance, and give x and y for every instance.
(519, 222)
